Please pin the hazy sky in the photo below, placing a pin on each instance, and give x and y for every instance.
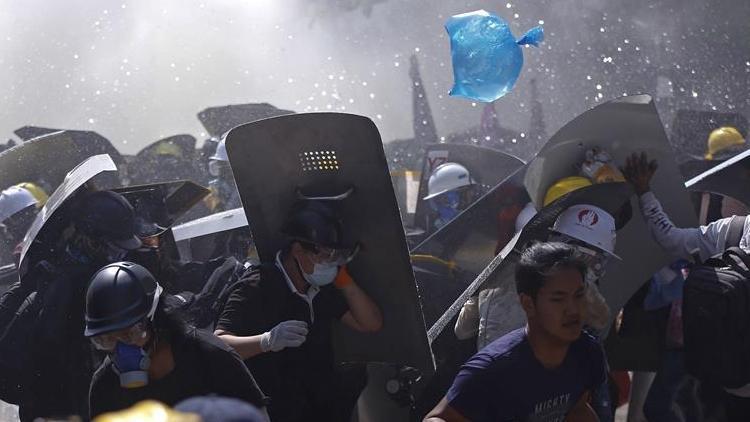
(136, 71)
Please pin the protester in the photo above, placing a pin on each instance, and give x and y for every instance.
(151, 354)
(704, 241)
(18, 208)
(47, 362)
(495, 311)
(544, 371)
(280, 318)
(449, 191)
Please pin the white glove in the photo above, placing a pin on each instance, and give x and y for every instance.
(287, 334)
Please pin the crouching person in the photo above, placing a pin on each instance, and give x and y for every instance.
(150, 353)
(545, 371)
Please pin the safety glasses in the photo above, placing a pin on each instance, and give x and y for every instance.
(135, 334)
(323, 255)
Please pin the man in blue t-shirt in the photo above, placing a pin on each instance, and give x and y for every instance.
(545, 371)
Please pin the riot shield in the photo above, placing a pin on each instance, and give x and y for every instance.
(487, 166)
(278, 160)
(46, 223)
(46, 159)
(199, 240)
(692, 168)
(218, 120)
(730, 178)
(163, 203)
(447, 261)
(622, 127)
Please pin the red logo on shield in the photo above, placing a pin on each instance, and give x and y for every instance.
(588, 217)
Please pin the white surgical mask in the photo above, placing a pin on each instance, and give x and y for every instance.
(322, 274)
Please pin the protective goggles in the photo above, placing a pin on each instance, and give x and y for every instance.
(135, 334)
(330, 256)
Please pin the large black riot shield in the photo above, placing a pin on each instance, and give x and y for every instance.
(487, 167)
(730, 178)
(275, 161)
(46, 159)
(49, 223)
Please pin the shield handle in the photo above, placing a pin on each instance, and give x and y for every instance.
(339, 197)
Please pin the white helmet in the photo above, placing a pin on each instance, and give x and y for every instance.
(447, 177)
(221, 151)
(13, 200)
(527, 213)
(588, 224)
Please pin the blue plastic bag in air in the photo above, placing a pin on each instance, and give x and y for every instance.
(487, 59)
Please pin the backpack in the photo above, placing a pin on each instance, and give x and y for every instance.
(716, 315)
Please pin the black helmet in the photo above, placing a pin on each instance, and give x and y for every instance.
(119, 295)
(314, 222)
(108, 215)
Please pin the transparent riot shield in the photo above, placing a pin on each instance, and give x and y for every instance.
(279, 160)
(49, 222)
(487, 167)
(225, 233)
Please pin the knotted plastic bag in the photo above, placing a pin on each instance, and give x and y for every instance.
(487, 59)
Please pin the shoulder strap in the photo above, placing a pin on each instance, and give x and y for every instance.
(734, 234)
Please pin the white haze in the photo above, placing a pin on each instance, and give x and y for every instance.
(137, 71)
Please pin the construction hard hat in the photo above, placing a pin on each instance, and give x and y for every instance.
(13, 200)
(148, 411)
(721, 139)
(168, 148)
(447, 177)
(563, 186)
(589, 224)
(221, 151)
(39, 194)
(119, 296)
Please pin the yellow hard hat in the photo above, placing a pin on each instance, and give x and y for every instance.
(168, 148)
(148, 411)
(721, 139)
(38, 193)
(563, 186)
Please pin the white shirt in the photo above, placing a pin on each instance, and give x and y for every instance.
(709, 240)
(308, 297)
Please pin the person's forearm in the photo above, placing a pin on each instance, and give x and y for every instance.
(245, 346)
(363, 309)
(678, 242)
(467, 324)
